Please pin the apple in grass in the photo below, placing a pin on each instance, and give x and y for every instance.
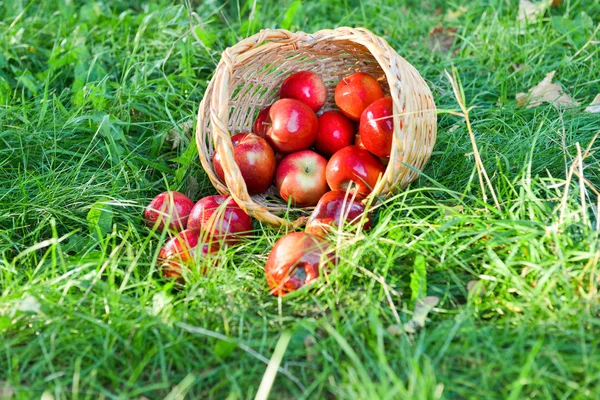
(180, 253)
(262, 123)
(296, 260)
(294, 126)
(169, 210)
(356, 92)
(220, 219)
(301, 178)
(354, 168)
(376, 127)
(305, 86)
(335, 132)
(336, 208)
(256, 161)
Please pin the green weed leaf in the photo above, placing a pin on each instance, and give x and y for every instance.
(100, 217)
(224, 349)
(418, 279)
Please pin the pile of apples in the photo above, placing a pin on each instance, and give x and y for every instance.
(305, 152)
(330, 159)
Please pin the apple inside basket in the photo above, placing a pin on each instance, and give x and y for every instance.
(248, 79)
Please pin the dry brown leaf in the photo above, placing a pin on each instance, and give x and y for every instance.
(546, 91)
(594, 106)
(175, 135)
(529, 11)
(476, 288)
(6, 391)
(193, 188)
(441, 39)
(422, 308)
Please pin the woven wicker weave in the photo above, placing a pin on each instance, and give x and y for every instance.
(248, 78)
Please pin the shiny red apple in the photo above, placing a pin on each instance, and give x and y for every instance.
(294, 126)
(180, 252)
(354, 165)
(256, 161)
(335, 209)
(376, 127)
(301, 177)
(358, 142)
(220, 219)
(355, 93)
(169, 209)
(262, 123)
(305, 86)
(296, 260)
(335, 132)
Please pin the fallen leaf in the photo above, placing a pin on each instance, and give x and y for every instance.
(6, 391)
(422, 308)
(546, 91)
(594, 106)
(193, 188)
(176, 135)
(28, 304)
(395, 330)
(441, 39)
(47, 396)
(476, 288)
(452, 15)
(529, 11)
(160, 302)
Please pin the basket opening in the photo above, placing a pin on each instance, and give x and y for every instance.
(255, 83)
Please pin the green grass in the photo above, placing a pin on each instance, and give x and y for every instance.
(93, 96)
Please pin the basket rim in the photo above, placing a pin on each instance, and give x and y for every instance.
(388, 60)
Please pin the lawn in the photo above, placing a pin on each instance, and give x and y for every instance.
(96, 103)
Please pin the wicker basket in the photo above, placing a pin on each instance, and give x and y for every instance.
(248, 78)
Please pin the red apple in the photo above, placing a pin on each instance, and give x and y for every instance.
(305, 86)
(262, 123)
(294, 126)
(335, 133)
(353, 164)
(336, 208)
(220, 219)
(358, 142)
(169, 208)
(256, 161)
(376, 127)
(179, 252)
(296, 260)
(301, 177)
(355, 93)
